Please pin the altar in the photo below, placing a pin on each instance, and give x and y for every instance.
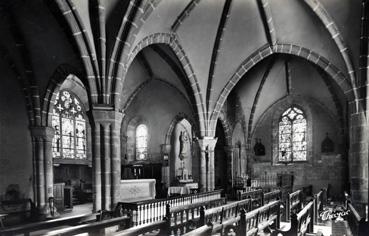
(183, 189)
(133, 190)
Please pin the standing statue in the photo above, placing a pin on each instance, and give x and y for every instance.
(183, 145)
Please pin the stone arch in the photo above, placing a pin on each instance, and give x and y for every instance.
(227, 129)
(56, 80)
(173, 123)
(172, 41)
(266, 51)
(79, 32)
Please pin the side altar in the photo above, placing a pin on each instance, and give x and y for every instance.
(133, 190)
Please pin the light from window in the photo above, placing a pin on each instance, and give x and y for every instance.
(70, 127)
(292, 136)
(141, 142)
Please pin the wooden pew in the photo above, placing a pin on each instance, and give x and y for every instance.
(186, 218)
(222, 213)
(301, 223)
(149, 211)
(246, 223)
(27, 229)
(95, 228)
(256, 196)
(272, 196)
(359, 225)
(319, 199)
(293, 204)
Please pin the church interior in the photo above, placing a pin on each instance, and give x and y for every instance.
(184, 117)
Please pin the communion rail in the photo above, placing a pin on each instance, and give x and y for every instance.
(149, 211)
(178, 220)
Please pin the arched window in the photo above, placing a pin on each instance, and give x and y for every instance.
(292, 136)
(141, 142)
(70, 127)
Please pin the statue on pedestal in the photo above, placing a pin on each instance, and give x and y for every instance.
(183, 153)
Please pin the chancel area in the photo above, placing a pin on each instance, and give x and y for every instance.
(184, 117)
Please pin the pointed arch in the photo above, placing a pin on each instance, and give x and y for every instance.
(170, 40)
(266, 51)
(56, 80)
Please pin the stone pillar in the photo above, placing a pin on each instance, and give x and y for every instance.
(358, 157)
(44, 176)
(106, 157)
(207, 174)
(96, 168)
(165, 153)
(230, 165)
(243, 159)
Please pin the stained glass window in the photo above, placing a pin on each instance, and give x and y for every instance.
(70, 127)
(292, 136)
(141, 142)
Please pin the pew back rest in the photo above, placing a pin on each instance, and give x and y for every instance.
(32, 227)
(90, 228)
(221, 213)
(272, 196)
(255, 195)
(261, 217)
(295, 200)
(305, 219)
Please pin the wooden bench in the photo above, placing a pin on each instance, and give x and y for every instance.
(256, 196)
(246, 223)
(95, 228)
(293, 204)
(301, 222)
(27, 229)
(272, 196)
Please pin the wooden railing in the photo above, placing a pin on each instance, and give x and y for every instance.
(149, 211)
(178, 220)
(359, 225)
(27, 229)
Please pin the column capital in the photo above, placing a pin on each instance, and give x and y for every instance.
(44, 132)
(207, 143)
(104, 114)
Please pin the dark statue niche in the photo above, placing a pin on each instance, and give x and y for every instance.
(327, 145)
(259, 148)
